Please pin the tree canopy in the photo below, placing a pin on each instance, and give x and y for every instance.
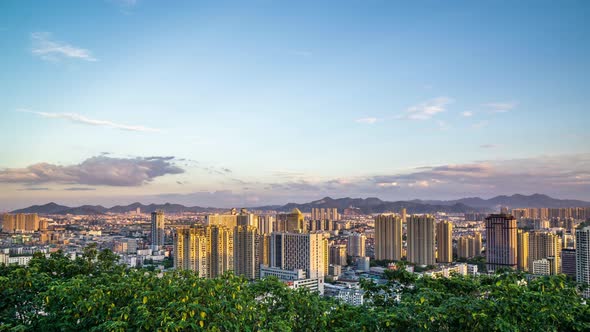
(94, 293)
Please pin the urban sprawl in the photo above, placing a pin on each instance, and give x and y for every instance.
(325, 250)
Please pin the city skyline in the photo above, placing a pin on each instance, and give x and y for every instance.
(208, 104)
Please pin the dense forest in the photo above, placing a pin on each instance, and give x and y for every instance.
(94, 293)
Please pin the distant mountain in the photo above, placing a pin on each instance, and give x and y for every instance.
(376, 205)
(366, 205)
(168, 207)
(514, 201)
(49, 208)
(85, 210)
(53, 208)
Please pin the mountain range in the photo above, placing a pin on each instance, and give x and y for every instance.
(53, 208)
(365, 205)
(514, 201)
(375, 205)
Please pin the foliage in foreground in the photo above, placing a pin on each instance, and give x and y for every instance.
(93, 293)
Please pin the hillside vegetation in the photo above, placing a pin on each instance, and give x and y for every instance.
(94, 293)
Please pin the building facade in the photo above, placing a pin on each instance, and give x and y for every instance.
(325, 214)
(421, 239)
(388, 237)
(305, 251)
(158, 225)
(20, 222)
(583, 257)
(501, 250)
(544, 244)
(247, 252)
(191, 250)
(444, 242)
(338, 254)
(568, 262)
(291, 222)
(356, 245)
(522, 250)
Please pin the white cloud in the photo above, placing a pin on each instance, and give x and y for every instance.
(48, 49)
(467, 114)
(387, 184)
(500, 107)
(369, 120)
(427, 109)
(565, 176)
(77, 118)
(421, 184)
(562, 175)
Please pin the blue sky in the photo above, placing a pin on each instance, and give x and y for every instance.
(267, 101)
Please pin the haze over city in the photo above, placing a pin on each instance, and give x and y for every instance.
(247, 104)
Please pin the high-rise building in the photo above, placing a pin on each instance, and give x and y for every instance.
(522, 251)
(338, 254)
(325, 252)
(266, 224)
(8, 223)
(444, 242)
(158, 224)
(325, 214)
(501, 242)
(421, 239)
(568, 262)
(404, 215)
(519, 213)
(541, 224)
(469, 246)
(475, 244)
(246, 219)
(322, 225)
(227, 220)
(545, 245)
(264, 249)
(208, 250)
(463, 247)
(221, 249)
(291, 222)
(388, 237)
(43, 224)
(247, 252)
(31, 222)
(568, 240)
(583, 257)
(305, 251)
(20, 222)
(191, 250)
(356, 245)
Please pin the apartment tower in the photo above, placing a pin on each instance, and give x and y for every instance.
(501, 250)
(388, 237)
(421, 239)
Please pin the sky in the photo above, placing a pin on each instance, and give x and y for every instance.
(248, 103)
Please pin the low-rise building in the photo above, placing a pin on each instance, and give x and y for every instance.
(345, 293)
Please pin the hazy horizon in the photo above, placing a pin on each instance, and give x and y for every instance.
(216, 197)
